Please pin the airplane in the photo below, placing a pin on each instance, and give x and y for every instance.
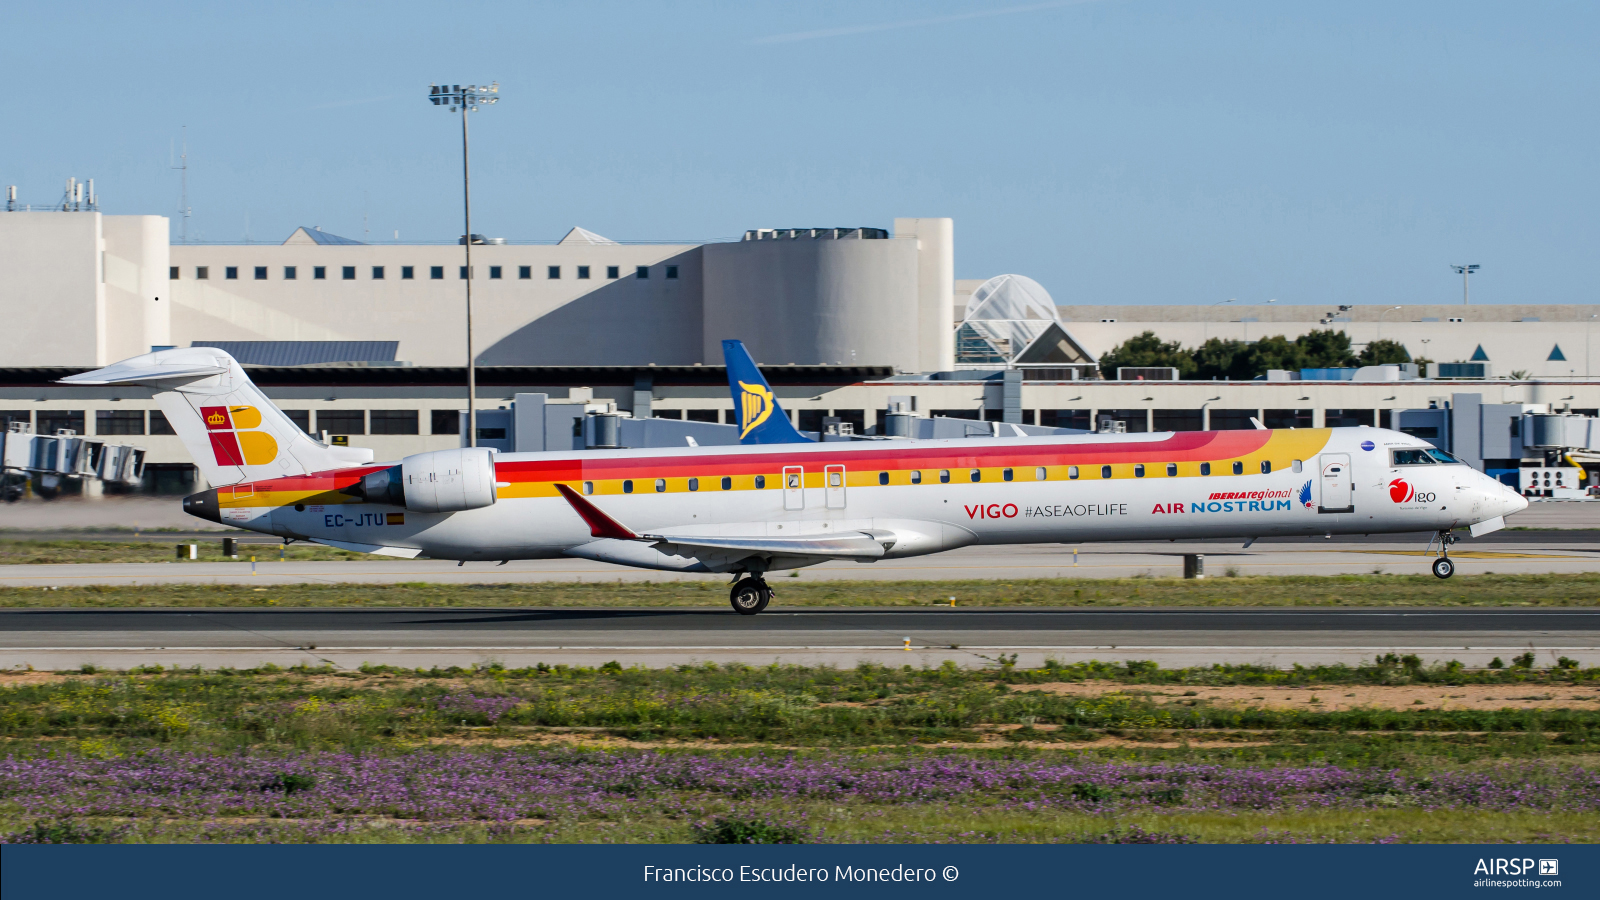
(762, 507)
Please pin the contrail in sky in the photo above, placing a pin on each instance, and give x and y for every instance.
(911, 23)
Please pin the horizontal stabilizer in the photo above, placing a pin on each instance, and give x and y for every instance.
(148, 370)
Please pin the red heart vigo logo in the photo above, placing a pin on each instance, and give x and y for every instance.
(1399, 490)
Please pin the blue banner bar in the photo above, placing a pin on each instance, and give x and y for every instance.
(397, 872)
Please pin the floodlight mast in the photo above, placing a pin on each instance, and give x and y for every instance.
(1465, 271)
(467, 99)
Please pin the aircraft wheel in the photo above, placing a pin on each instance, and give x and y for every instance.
(749, 596)
(1443, 567)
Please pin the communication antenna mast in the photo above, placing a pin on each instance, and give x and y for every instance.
(183, 204)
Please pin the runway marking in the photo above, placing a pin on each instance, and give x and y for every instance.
(1461, 554)
(754, 647)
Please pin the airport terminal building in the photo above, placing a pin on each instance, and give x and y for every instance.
(366, 341)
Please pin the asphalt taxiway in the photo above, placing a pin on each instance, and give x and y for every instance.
(1513, 552)
(118, 638)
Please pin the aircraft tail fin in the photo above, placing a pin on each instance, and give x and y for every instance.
(761, 419)
(230, 428)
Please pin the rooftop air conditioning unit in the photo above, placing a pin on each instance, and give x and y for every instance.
(1147, 373)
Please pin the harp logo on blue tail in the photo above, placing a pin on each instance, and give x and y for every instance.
(761, 417)
(1305, 494)
(755, 405)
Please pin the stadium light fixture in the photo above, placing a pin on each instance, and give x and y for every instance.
(467, 99)
(1465, 271)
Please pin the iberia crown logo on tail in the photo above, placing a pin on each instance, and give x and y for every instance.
(755, 405)
(231, 442)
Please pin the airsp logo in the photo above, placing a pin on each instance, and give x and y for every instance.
(1515, 867)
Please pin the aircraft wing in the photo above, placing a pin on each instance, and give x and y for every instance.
(844, 545)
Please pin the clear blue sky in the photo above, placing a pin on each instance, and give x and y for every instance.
(1121, 151)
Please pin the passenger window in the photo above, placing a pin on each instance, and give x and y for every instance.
(588, 487)
(1294, 466)
(916, 476)
(794, 479)
(1238, 467)
(761, 482)
(694, 484)
(727, 483)
(1138, 470)
(1105, 471)
(1072, 473)
(883, 477)
(976, 474)
(1266, 467)
(944, 476)
(1005, 474)
(627, 487)
(661, 485)
(1172, 470)
(1040, 474)
(1205, 468)
(1411, 458)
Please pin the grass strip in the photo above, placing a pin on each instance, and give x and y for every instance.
(35, 553)
(1004, 708)
(1580, 590)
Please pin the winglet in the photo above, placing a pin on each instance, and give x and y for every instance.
(761, 419)
(600, 524)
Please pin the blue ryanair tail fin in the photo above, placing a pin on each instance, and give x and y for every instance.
(761, 419)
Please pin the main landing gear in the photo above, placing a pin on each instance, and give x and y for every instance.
(750, 595)
(1443, 567)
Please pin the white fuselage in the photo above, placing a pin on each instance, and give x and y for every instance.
(1310, 482)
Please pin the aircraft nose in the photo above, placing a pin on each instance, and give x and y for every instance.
(1502, 498)
(1517, 502)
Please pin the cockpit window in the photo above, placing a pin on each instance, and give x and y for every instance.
(1444, 457)
(1411, 458)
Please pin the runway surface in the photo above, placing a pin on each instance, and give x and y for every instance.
(61, 639)
(1510, 552)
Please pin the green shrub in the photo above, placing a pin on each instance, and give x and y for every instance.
(1091, 792)
(65, 831)
(749, 831)
(290, 783)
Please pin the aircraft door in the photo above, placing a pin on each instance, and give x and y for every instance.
(794, 487)
(1337, 485)
(834, 481)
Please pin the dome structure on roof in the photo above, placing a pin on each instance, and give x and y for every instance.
(1011, 321)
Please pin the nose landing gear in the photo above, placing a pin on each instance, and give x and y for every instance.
(750, 595)
(1443, 567)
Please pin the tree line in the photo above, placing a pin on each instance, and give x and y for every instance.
(1233, 360)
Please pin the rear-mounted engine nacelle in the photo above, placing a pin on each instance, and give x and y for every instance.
(441, 481)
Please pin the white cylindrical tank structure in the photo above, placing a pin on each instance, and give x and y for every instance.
(809, 300)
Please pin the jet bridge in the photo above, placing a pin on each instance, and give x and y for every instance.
(52, 461)
(1539, 451)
